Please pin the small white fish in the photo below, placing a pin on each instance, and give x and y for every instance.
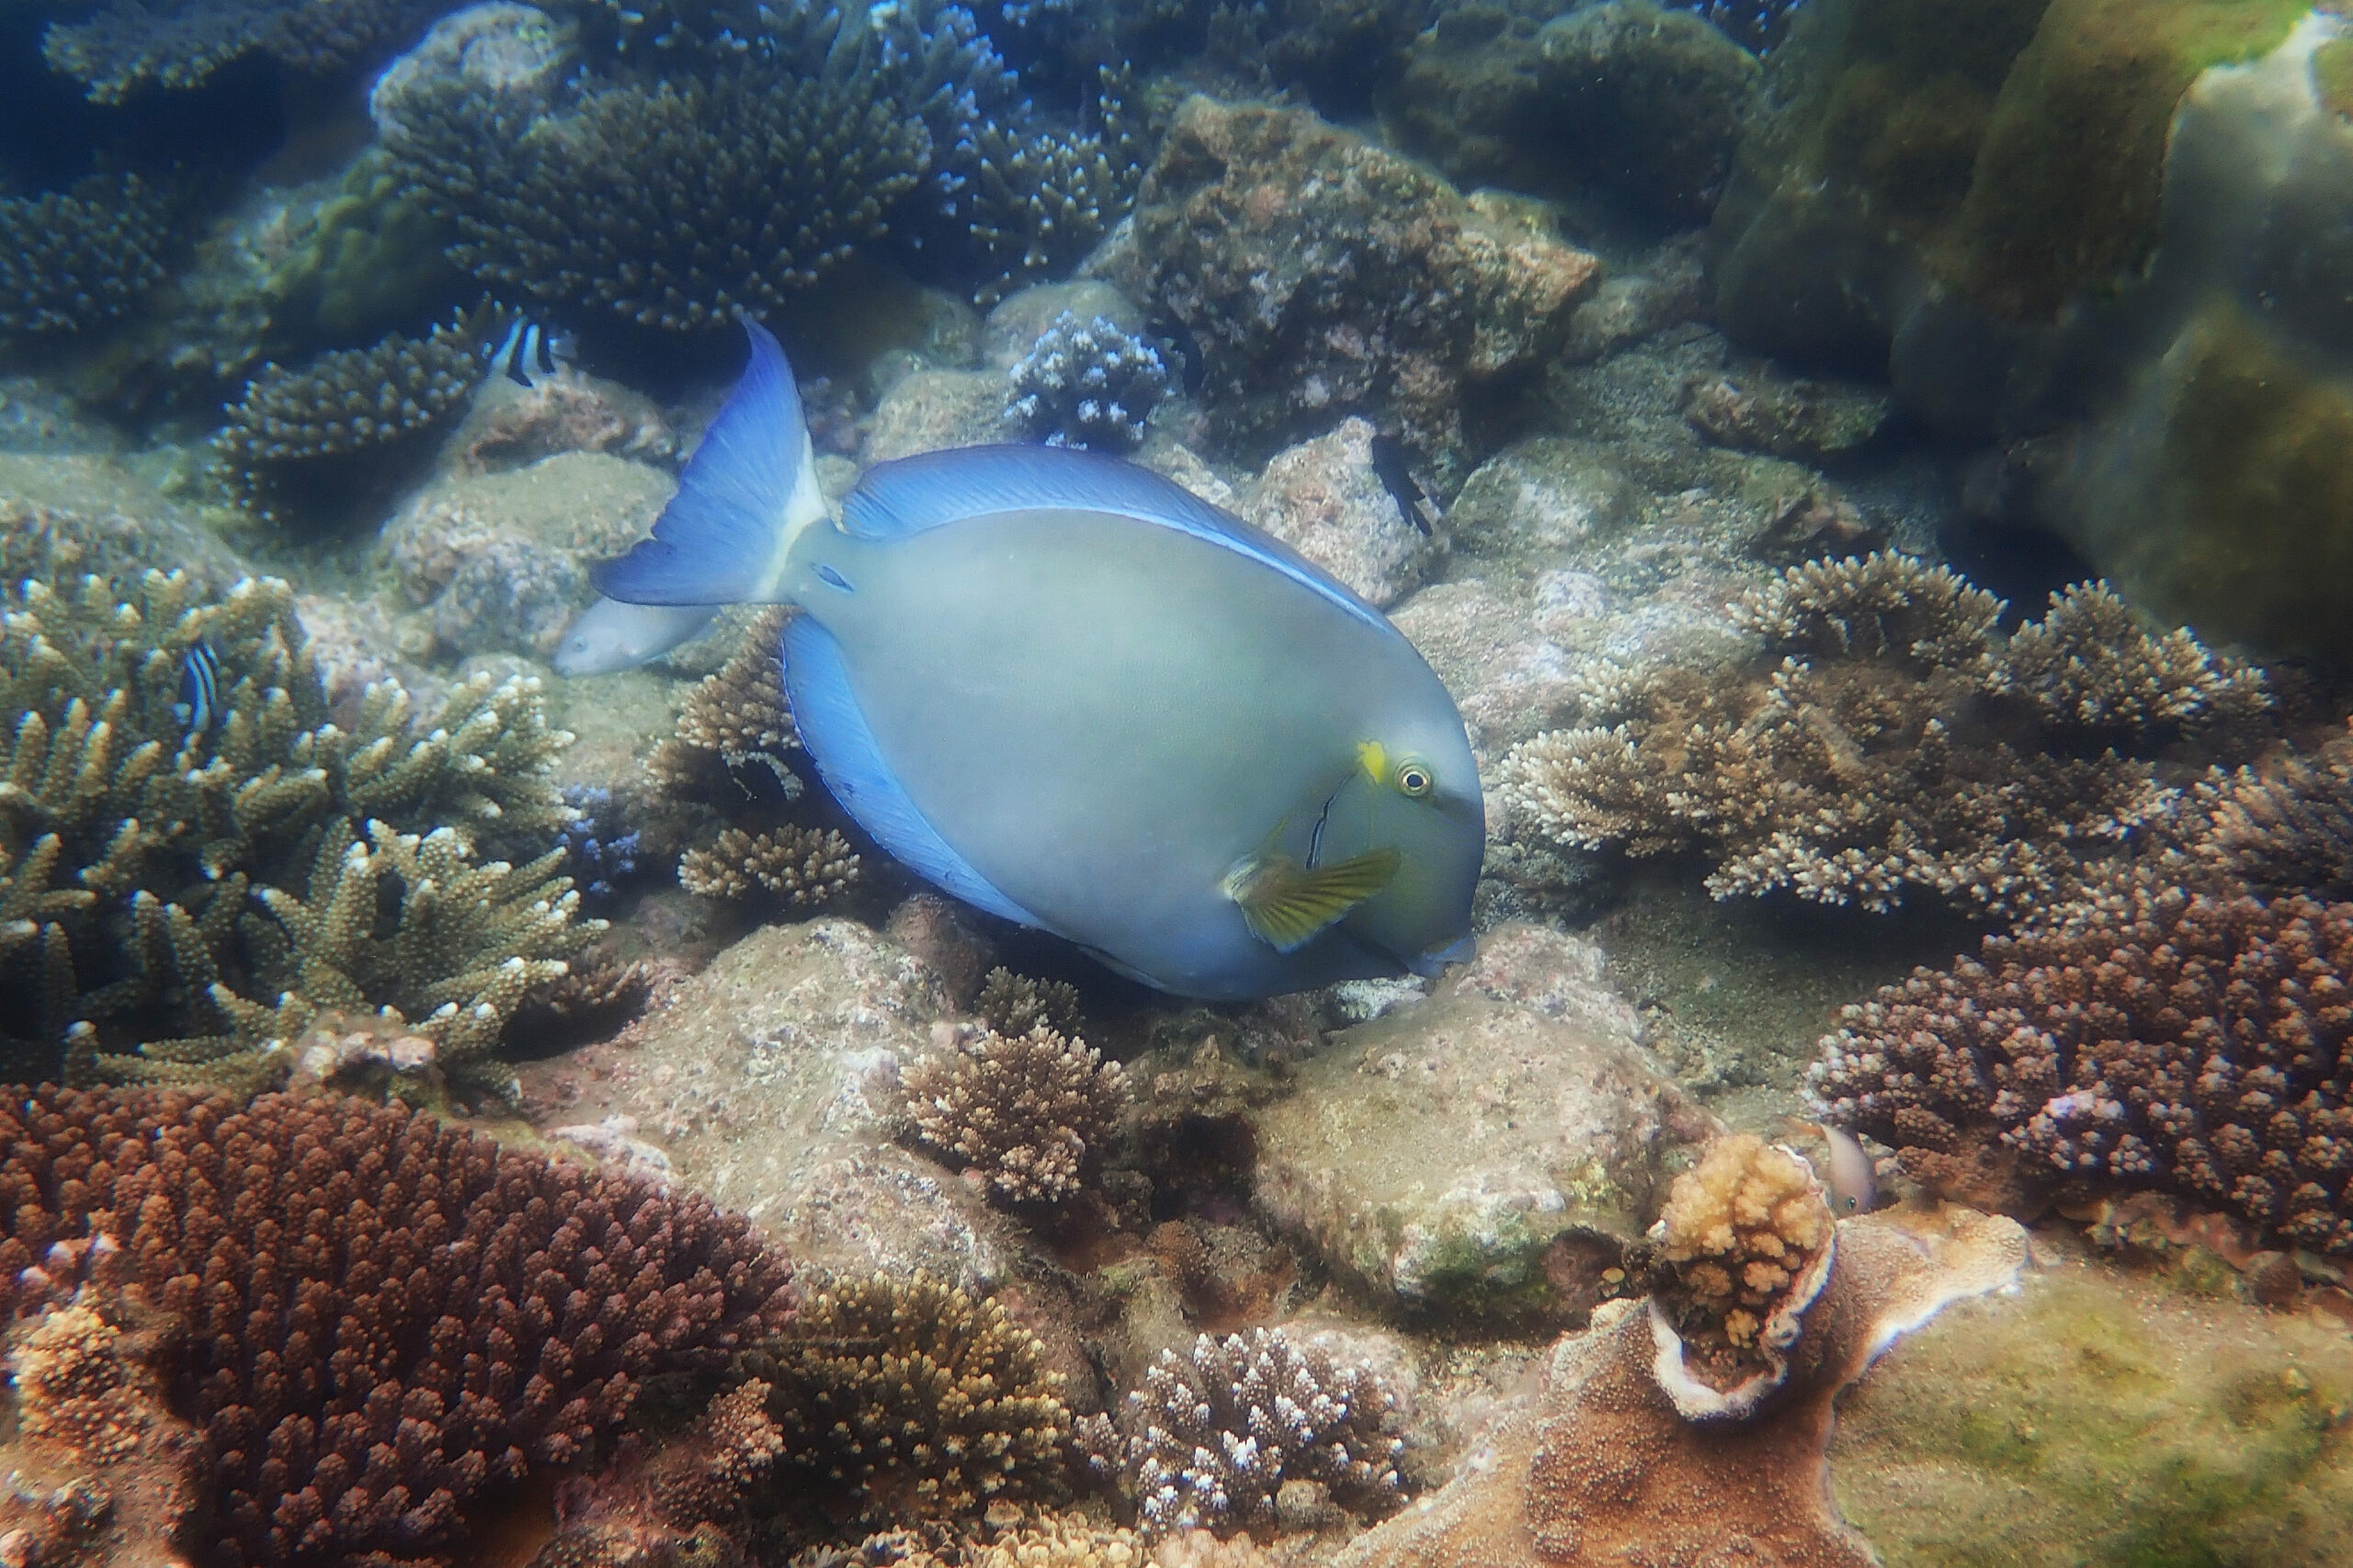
(610, 635)
(1853, 1177)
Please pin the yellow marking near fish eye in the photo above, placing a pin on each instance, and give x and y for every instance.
(1374, 759)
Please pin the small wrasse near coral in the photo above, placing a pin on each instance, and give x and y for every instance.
(1072, 694)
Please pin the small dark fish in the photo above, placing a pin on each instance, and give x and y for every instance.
(1390, 465)
(199, 700)
(529, 347)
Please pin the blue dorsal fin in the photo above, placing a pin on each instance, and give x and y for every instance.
(835, 730)
(907, 495)
(720, 539)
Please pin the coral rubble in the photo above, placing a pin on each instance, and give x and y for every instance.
(384, 1316)
(1321, 276)
(2191, 1044)
(346, 421)
(69, 260)
(907, 1400)
(1027, 1111)
(1214, 1434)
(1605, 1469)
(202, 890)
(1888, 739)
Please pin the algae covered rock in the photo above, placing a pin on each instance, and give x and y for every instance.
(1321, 276)
(1647, 100)
(500, 561)
(2122, 225)
(2095, 1418)
(1485, 1154)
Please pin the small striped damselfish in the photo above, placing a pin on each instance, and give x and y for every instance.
(200, 699)
(529, 347)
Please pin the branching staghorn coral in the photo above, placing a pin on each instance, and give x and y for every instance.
(1026, 1112)
(381, 1319)
(905, 1400)
(1086, 384)
(344, 422)
(69, 260)
(2146, 1039)
(738, 718)
(159, 881)
(1212, 1435)
(1889, 740)
(178, 43)
(1014, 1004)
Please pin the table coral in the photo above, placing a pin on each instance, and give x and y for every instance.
(167, 883)
(1888, 739)
(127, 44)
(384, 1316)
(1214, 1434)
(1604, 1469)
(69, 260)
(906, 1400)
(1026, 1112)
(1321, 275)
(2195, 1045)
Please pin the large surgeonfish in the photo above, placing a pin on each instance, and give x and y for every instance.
(1070, 692)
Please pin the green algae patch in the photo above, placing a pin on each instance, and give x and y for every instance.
(2068, 183)
(2098, 1419)
(2333, 75)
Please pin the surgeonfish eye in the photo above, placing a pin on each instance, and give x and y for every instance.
(1414, 778)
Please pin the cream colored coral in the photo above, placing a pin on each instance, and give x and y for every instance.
(1741, 1230)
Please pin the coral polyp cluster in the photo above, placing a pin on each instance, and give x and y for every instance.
(1027, 1111)
(1745, 1235)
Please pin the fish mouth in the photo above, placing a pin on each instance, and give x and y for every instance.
(1431, 964)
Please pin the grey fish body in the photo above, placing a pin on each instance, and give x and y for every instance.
(610, 635)
(1087, 770)
(1076, 695)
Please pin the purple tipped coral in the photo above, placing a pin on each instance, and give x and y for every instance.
(2194, 1045)
(1215, 1434)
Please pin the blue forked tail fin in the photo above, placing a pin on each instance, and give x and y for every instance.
(749, 487)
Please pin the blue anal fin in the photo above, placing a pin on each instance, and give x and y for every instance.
(718, 541)
(835, 730)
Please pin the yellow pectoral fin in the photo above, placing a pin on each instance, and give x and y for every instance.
(1285, 903)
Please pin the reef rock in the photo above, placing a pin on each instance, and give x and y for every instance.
(1646, 100)
(1324, 499)
(61, 514)
(2123, 226)
(500, 561)
(1605, 1469)
(1488, 1151)
(1321, 275)
(768, 1081)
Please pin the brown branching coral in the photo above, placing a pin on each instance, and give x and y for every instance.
(1213, 1435)
(1606, 1470)
(1744, 1245)
(346, 421)
(802, 866)
(1055, 1541)
(69, 260)
(384, 1316)
(178, 43)
(2155, 1039)
(1014, 1004)
(912, 1401)
(160, 879)
(736, 718)
(1026, 1112)
(2286, 827)
(1889, 741)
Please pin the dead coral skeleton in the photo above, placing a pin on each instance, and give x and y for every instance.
(1889, 741)
(1026, 1112)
